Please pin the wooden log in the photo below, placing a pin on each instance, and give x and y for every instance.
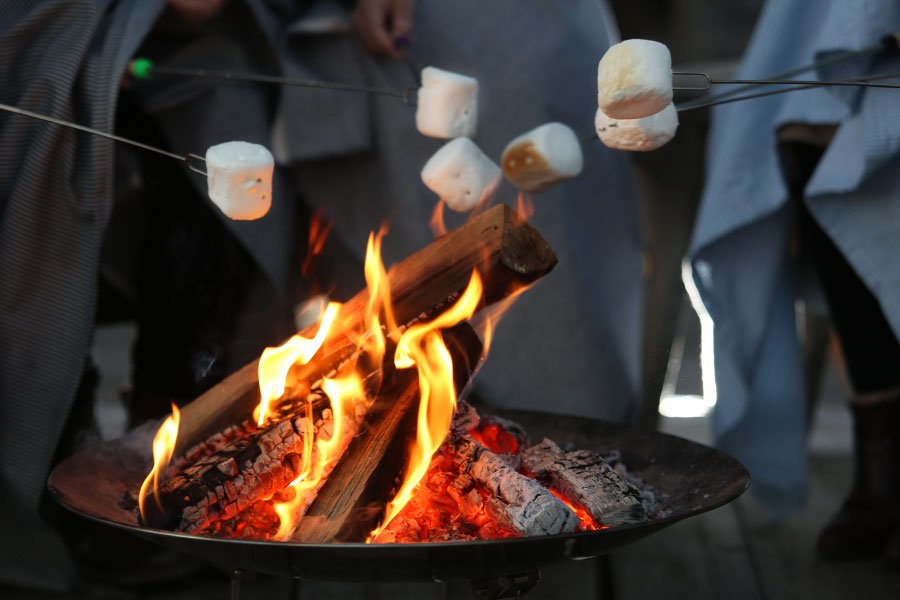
(587, 479)
(508, 252)
(352, 501)
(518, 501)
(225, 483)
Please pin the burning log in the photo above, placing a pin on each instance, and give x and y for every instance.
(520, 502)
(509, 253)
(471, 492)
(225, 483)
(587, 479)
(353, 498)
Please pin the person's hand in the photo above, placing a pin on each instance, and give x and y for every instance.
(196, 12)
(384, 26)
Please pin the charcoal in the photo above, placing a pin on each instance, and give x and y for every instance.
(520, 501)
(225, 483)
(587, 479)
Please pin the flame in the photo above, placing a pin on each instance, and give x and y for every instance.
(379, 299)
(423, 346)
(163, 446)
(342, 393)
(275, 363)
(438, 227)
(524, 206)
(321, 452)
(319, 229)
(487, 321)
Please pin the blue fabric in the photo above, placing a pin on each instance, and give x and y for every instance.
(740, 241)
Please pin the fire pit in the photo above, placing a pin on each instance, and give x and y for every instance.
(689, 479)
(348, 453)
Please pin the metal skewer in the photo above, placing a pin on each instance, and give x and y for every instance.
(142, 68)
(750, 83)
(186, 158)
(793, 86)
(887, 43)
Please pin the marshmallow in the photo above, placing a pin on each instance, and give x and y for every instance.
(542, 157)
(634, 79)
(239, 177)
(461, 174)
(639, 135)
(447, 104)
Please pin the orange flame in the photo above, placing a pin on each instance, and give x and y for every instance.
(423, 346)
(487, 321)
(275, 363)
(343, 393)
(163, 446)
(524, 206)
(322, 449)
(438, 227)
(587, 520)
(379, 299)
(319, 229)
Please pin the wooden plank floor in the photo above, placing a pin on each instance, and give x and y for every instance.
(737, 552)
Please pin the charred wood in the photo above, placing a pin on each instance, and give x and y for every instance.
(225, 483)
(587, 479)
(520, 502)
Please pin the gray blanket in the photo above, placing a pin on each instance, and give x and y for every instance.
(63, 58)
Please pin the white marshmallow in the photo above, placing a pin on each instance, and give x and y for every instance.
(461, 174)
(639, 135)
(239, 177)
(447, 104)
(542, 157)
(634, 79)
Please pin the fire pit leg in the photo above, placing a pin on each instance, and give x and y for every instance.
(505, 586)
(236, 577)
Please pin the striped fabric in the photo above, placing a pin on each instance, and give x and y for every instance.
(63, 58)
(739, 251)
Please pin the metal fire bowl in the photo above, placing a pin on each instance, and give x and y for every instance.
(689, 479)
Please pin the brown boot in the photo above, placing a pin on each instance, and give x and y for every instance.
(871, 513)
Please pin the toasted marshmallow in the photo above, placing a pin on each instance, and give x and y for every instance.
(634, 79)
(638, 135)
(461, 175)
(447, 104)
(542, 157)
(239, 177)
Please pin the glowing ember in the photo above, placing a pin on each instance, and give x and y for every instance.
(588, 522)
(163, 445)
(496, 439)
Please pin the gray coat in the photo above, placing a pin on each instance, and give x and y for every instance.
(63, 58)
